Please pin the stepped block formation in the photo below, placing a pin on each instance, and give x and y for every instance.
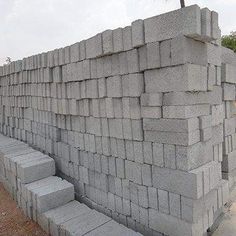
(47, 199)
(140, 119)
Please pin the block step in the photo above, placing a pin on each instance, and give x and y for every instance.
(47, 199)
(77, 219)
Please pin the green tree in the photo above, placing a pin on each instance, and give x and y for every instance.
(229, 41)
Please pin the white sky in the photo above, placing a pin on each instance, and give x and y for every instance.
(29, 27)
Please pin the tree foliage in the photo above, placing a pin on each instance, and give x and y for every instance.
(229, 41)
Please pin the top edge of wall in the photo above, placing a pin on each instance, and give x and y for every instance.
(192, 21)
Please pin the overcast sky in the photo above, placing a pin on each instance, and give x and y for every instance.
(32, 26)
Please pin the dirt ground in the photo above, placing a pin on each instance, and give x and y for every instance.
(12, 220)
(228, 225)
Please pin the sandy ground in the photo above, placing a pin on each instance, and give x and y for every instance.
(228, 225)
(12, 220)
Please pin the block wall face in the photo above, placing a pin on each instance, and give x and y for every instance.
(228, 69)
(140, 119)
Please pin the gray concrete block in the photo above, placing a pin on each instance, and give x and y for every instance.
(163, 201)
(107, 42)
(152, 198)
(127, 128)
(94, 46)
(51, 220)
(211, 80)
(158, 154)
(132, 61)
(53, 196)
(27, 189)
(102, 87)
(183, 112)
(137, 33)
(133, 172)
(215, 31)
(229, 126)
(123, 62)
(228, 92)
(180, 182)
(86, 71)
(114, 86)
(82, 49)
(134, 107)
(228, 73)
(153, 55)
(57, 74)
(204, 122)
(229, 163)
(61, 56)
(112, 227)
(180, 78)
(107, 66)
(187, 50)
(206, 24)
(175, 207)
(137, 130)
(147, 175)
(67, 54)
(213, 54)
(15, 161)
(118, 40)
(171, 125)
(206, 134)
(193, 210)
(151, 99)
(143, 196)
(169, 156)
(165, 53)
(35, 170)
(175, 22)
(138, 151)
(148, 155)
(115, 66)
(127, 38)
(132, 85)
(118, 109)
(217, 134)
(142, 51)
(74, 52)
(217, 114)
(115, 127)
(171, 225)
(86, 222)
(120, 167)
(184, 139)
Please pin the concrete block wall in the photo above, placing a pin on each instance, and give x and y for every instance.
(228, 69)
(134, 117)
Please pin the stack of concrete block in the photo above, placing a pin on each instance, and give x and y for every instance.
(134, 117)
(28, 175)
(75, 218)
(228, 78)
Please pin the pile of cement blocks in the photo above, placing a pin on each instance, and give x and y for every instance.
(28, 175)
(134, 117)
